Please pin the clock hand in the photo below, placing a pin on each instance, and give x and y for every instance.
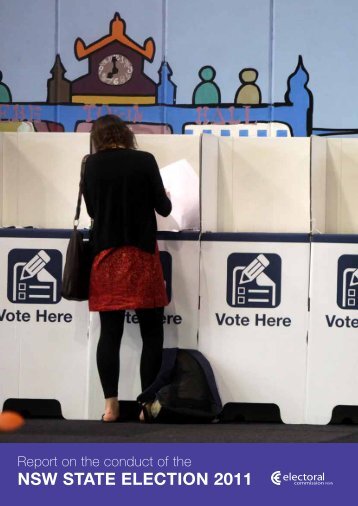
(114, 69)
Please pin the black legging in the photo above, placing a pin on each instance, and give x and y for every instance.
(151, 329)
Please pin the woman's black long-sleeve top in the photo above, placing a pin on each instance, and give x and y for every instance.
(122, 188)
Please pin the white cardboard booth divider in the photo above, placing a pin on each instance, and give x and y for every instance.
(318, 184)
(334, 184)
(180, 260)
(40, 178)
(40, 173)
(255, 185)
(332, 374)
(332, 344)
(253, 317)
(48, 344)
(44, 344)
(249, 183)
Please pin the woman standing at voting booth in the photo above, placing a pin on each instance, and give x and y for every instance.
(122, 190)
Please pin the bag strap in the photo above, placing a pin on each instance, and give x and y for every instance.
(79, 198)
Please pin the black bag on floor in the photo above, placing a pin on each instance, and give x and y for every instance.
(185, 390)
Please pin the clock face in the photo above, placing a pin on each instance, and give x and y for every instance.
(115, 70)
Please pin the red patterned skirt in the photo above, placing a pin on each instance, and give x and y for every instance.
(126, 278)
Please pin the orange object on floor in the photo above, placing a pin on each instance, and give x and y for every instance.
(10, 421)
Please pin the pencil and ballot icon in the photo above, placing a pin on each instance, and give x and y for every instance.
(254, 269)
(253, 280)
(35, 265)
(347, 283)
(34, 276)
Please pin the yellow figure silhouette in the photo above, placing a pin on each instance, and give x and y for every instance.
(248, 93)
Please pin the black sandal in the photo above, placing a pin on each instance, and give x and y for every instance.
(147, 414)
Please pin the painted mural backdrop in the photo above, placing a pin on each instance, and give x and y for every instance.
(125, 75)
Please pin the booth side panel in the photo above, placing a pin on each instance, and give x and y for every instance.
(271, 185)
(209, 183)
(48, 355)
(318, 183)
(334, 150)
(253, 331)
(332, 375)
(10, 179)
(49, 174)
(348, 212)
(9, 336)
(225, 198)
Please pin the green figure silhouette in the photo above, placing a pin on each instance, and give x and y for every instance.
(207, 92)
(5, 95)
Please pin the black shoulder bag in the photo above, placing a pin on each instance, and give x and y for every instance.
(77, 270)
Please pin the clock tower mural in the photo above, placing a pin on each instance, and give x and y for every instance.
(115, 69)
(115, 82)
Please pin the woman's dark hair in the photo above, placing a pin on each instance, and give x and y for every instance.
(110, 131)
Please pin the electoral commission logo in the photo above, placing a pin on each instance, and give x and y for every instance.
(35, 276)
(278, 478)
(253, 280)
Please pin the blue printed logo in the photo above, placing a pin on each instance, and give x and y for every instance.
(253, 280)
(347, 282)
(34, 276)
(166, 260)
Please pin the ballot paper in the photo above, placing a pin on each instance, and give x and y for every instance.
(182, 184)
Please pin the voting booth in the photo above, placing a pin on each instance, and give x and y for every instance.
(254, 269)
(47, 345)
(277, 306)
(253, 317)
(44, 338)
(332, 376)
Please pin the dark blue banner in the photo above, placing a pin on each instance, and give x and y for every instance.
(178, 474)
